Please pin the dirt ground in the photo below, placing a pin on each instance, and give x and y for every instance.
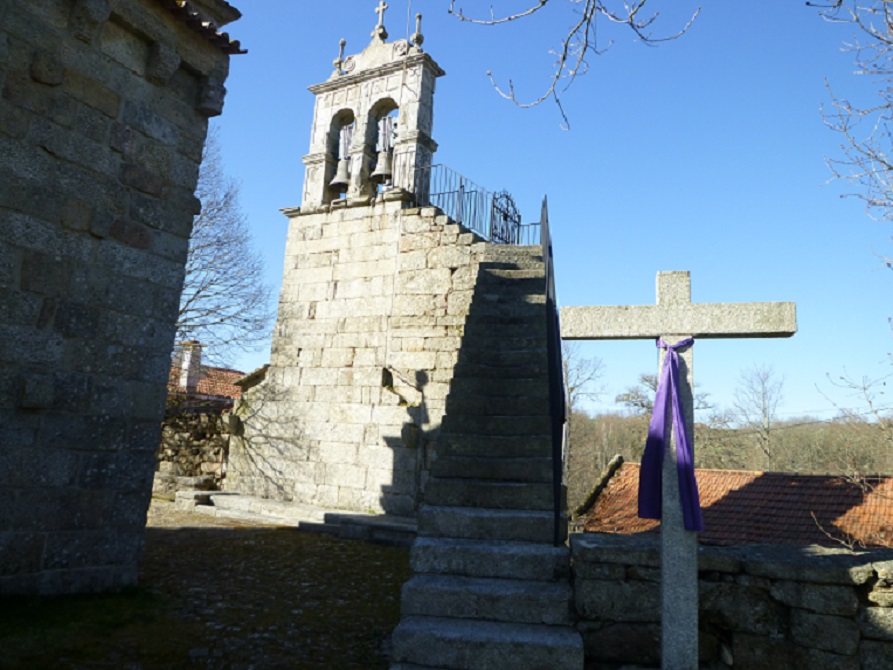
(225, 596)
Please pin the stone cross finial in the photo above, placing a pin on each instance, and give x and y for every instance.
(380, 30)
(338, 62)
(675, 317)
(417, 37)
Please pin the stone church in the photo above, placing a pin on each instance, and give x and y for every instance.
(375, 299)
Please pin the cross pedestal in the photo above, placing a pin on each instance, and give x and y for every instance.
(674, 318)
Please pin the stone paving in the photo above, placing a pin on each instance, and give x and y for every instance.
(225, 595)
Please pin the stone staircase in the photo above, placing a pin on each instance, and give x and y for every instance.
(490, 591)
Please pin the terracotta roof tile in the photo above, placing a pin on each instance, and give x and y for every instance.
(742, 507)
(217, 382)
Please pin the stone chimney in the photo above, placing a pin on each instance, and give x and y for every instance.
(190, 362)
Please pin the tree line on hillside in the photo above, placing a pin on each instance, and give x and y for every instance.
(846, 446)
(747, 436)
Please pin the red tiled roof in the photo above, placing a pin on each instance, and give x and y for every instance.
(742, 507)
(216, 382)
(219, 382)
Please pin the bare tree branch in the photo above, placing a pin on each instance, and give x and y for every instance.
(866, 140)
(224, 304)
(581, 39)
(756, 403)
(581, 375)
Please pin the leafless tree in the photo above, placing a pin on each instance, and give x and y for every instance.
(581, 375)
(582, 39)
(756, 403)
(640, 398)
(225, 301)
(865, 129)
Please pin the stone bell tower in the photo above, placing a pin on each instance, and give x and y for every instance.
(372, 121)
(375, 294)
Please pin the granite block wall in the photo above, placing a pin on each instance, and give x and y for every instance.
(372, 310)
(104, 106)
(762, 607)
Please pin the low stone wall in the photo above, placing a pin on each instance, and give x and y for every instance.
(761, 607)
(194, 446)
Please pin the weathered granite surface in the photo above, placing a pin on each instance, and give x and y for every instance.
(370, 321)
(103, 115)
(761, 607)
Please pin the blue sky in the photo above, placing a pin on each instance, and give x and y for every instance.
(703, 154)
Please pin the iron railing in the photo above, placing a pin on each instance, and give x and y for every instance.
(493, 216)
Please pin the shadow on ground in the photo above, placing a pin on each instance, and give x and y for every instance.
(234, 598)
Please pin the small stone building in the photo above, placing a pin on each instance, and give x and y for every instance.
(375, 295)
(104, 108)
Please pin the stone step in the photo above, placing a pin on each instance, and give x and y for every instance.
(483, 387)
(535, 370)
(530, 276)
(473, 353)
(527, 268)
(504, 327)
(497, 252)
(493, 446)
(504, 405)
(525, 271)
(483, 337)
(509, 600)
(263, 507)
(512, 310)
(489, 524)
(490, 494)
(488, 558)
(486, 645)
(525, 469)
(508, 425)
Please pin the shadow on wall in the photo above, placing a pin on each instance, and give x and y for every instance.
(417, 435)
(497, 403)
(259, 459)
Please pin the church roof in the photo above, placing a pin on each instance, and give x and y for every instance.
(197, 20)
(744, 507)
(216, 382)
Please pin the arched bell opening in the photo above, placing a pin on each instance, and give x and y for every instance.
(338, 142)
(381, 135)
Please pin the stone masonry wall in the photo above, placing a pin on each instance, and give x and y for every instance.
(193, 452)
(761, 607)
(104, 107)
(373, 304)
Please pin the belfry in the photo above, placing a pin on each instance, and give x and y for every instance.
(372, 122)
(375, 287)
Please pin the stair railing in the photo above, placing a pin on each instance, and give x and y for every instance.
(557, 393)
(493, 216)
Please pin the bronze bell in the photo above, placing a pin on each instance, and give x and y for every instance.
(341, 180)
(383, 167)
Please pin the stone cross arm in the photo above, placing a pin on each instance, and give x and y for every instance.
(636, 322)
(676, 314)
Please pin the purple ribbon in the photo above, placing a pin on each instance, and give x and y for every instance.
(650, 485)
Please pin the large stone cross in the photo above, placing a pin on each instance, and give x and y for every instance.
(673, 318)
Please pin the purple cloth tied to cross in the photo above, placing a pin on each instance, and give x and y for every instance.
(650, 483)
